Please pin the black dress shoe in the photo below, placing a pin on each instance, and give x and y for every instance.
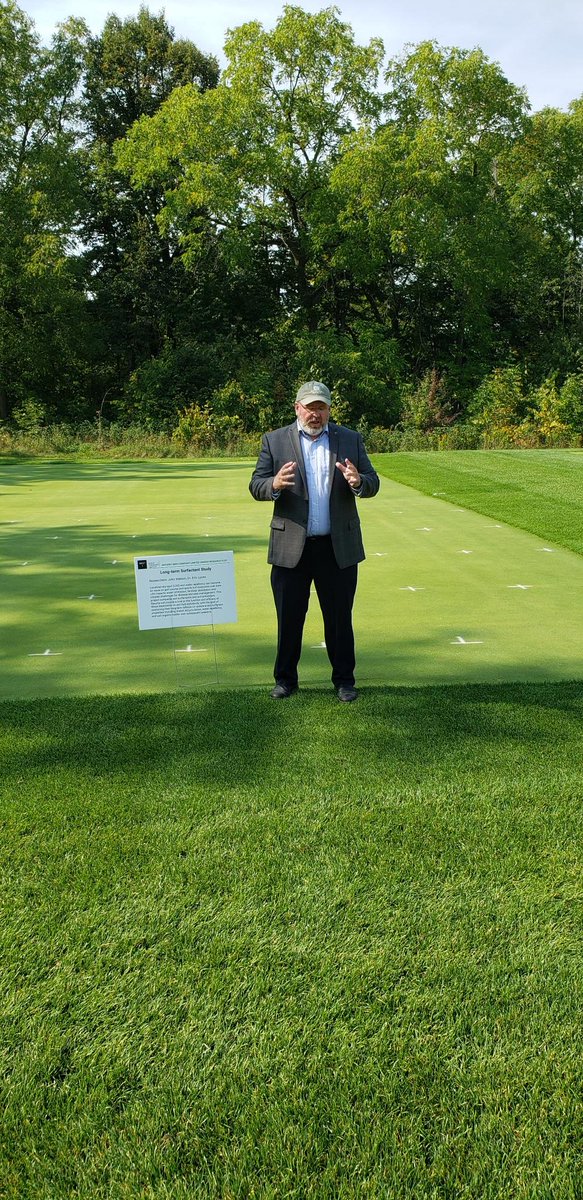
(281, 691)
(346, 694)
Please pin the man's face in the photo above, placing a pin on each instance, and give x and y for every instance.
(312, 417)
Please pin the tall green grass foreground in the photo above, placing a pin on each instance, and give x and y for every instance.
(301, 950)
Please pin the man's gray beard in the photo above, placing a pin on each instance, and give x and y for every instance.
(309, 429)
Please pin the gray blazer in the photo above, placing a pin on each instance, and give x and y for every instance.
(290, 515)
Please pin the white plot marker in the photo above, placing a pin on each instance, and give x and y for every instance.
(493, 527)
(439, 493)
(545, 550)
(53, 538)
(424, 529)
(411, 589)
(378, 554)
(460, 641)
(465, 551)
(91, 597)
(523, 587)
(45, 654)
(318, 646)
(192, 650)
(114, 562)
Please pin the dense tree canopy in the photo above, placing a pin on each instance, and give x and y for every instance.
(172, 238)
(41, 301)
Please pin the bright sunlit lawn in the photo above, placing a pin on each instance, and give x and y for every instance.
(299, 949)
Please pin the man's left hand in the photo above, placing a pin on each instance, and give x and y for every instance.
(351, 475)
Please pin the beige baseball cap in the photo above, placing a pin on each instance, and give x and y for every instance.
(308, 393)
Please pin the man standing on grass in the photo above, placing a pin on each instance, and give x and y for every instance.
(314, 470)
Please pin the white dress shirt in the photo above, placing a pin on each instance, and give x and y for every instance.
(317, 464)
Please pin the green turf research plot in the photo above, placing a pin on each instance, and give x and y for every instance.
(446, 595)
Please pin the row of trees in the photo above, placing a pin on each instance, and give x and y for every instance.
(174, 239)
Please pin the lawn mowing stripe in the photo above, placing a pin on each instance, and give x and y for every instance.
(540, 491)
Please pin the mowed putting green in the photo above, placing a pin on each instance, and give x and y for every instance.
(446, 595)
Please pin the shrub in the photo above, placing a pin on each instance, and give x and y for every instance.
(30, 415)
(253, 410)
(499, 404)
(571, 403)
(464, 436)
(427, 406)
(382, 441)
(198, 428)
(545, 412)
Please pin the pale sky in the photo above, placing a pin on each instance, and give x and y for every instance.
(538, 43)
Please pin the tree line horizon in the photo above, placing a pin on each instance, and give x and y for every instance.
(180, 246)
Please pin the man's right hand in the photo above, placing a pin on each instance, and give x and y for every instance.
(285, 477)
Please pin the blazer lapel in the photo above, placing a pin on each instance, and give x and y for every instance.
(333, 451)
(298, 456)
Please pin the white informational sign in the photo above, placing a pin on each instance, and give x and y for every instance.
(174, 590)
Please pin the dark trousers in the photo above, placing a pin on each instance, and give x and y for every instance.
(335, 588)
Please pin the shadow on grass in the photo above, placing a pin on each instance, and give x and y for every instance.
(27, 471)
(85, 548)
(230, 738)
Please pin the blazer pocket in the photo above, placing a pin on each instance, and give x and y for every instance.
(277, 523)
